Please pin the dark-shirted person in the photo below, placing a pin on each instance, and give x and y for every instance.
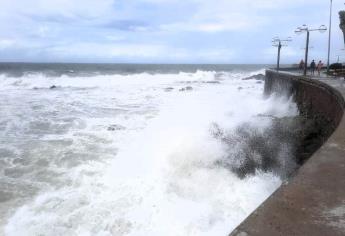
(312, 67)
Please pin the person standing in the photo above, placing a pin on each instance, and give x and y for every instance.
(319, 67)
(312, 67)
(301, 65)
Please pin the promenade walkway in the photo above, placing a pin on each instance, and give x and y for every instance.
(313, 202)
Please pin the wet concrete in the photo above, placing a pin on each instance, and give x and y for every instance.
(313, 201)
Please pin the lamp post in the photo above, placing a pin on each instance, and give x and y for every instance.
(306, 29)
(329, 35)
(277, 42)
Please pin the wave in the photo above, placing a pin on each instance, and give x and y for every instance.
(251, 150)
(128, 158)
(41, 80)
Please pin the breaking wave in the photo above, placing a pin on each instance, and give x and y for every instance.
(138, 154)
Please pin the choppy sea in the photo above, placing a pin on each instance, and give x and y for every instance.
(104, 149)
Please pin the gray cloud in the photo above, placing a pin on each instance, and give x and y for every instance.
(159, 30)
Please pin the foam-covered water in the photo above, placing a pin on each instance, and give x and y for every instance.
(128, 154)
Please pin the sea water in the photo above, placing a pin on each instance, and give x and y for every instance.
(129, 149)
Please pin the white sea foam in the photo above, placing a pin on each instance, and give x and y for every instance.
(153, 173)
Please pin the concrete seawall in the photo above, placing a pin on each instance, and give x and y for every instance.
(313, 201)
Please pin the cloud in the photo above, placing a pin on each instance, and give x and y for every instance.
(6, 43)
(224, 15)
(140, 51)
(158, 30)
(128, 25)
(71, 9)
(110, 50)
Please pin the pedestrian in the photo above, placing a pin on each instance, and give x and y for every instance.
(301, 65)
(319, 67)
(312, 67)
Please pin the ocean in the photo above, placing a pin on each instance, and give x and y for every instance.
(125, 149)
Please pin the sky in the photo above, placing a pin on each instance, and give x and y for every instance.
(165, 31)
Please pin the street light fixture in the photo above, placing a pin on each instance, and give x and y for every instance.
(305, 29)
(277, 42)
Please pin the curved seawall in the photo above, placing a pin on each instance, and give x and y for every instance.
(313, 201)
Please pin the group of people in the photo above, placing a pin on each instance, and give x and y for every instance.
(313, 66)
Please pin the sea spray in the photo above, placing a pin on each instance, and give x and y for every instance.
(161, 173)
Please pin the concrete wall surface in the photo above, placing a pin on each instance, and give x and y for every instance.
(312, 202)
